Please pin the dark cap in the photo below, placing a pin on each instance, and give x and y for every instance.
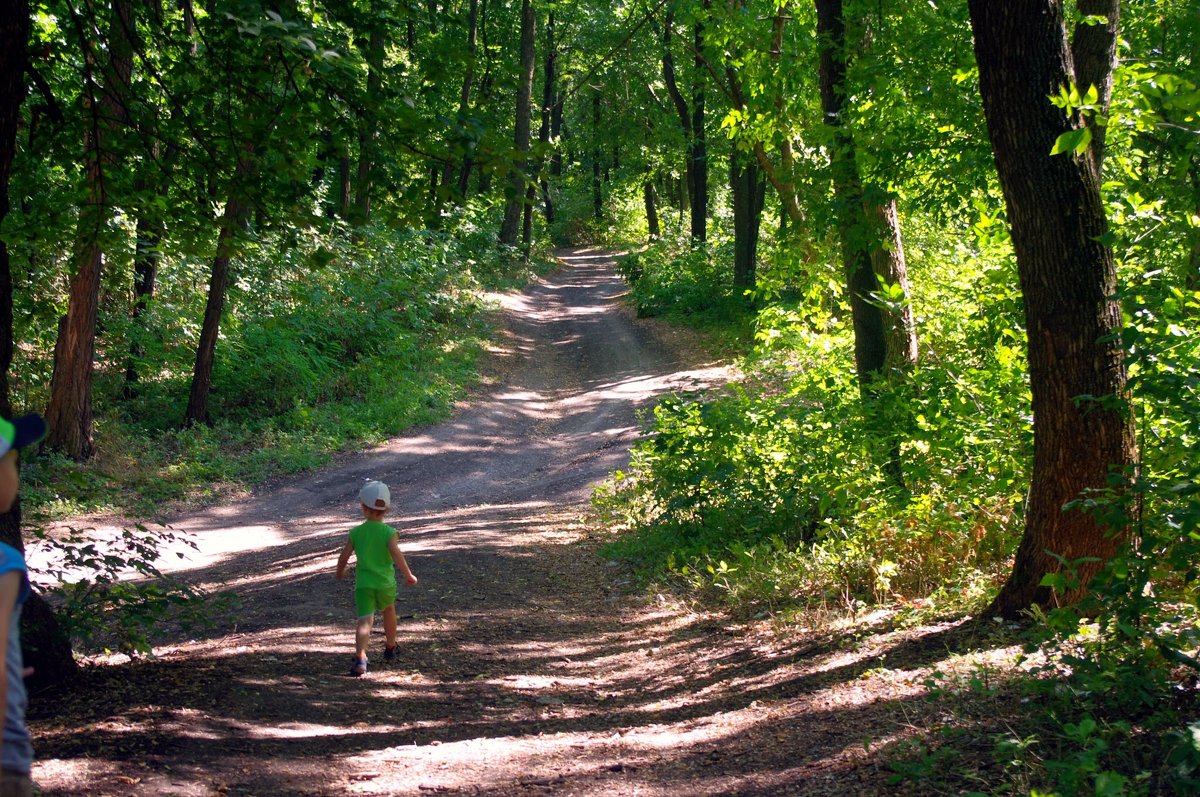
(21, 432)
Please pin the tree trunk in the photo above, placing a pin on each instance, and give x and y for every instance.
(464, 96)
(517, 176)
(748, 194)
(597, 158)
(69, 414)
(145, 267)
(1068, 280)
(870, 345)
(685, 115)
(890, 267)
(233, 221)
(548, 94)
(527, 223)
(370, 124)
(344, 194)
(699, 151)
(1094, 53)
(556, 126)
(651, 200)
(14, 40)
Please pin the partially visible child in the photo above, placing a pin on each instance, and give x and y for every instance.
(376, 548)
(16, 748)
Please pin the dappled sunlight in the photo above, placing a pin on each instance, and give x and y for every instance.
(524, 662)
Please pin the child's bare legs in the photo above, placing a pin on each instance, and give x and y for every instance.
(362, 633)
(389, 625)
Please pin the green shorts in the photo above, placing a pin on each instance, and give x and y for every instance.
(369, 600)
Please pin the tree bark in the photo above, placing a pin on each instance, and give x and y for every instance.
(370, 124)
(748, 195)
(1068, 280)
(597, 161)
(149, 236)
(870, 344)
(1094, 53)
(14, 41)
(890, 266)
(556, 126)
(548, 98)
(150, 230)
(650, 198)
(699, 142)
(464, 97)
(233, 221)
(344, 194)
(69, 414)
(695, 162)
(517, 174)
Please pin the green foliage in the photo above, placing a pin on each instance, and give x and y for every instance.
(772, 495)
(693, 282)
(109, 593)
(330, 341)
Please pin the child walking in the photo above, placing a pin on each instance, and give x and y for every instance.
(376, 549)
(16, 749)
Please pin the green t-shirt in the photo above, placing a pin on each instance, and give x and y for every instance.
(374, 568)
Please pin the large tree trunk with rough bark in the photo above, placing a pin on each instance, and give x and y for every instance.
(515, 191)
(1082, 436)
(69, 414)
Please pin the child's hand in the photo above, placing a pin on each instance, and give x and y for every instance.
(411, 580)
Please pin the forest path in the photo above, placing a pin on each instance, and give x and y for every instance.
(526, 665)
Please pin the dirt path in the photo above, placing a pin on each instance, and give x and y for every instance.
(527, 665)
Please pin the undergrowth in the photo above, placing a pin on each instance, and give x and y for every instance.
(770, 498)
(332, 342)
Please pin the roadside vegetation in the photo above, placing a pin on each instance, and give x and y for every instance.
(962, 284)
(332, 342)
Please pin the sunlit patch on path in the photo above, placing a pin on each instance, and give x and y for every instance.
(528, 665)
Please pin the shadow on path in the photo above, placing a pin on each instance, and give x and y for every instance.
(527, 666)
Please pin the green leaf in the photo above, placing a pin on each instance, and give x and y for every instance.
(1076, 141)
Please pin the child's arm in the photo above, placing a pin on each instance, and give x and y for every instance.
(10, 585)
(344, 559)
(401, 562)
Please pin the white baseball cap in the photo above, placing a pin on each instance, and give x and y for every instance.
(375, 495)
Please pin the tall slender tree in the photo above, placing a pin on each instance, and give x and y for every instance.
(369, 124)
(691, 122)
(69, 413)
(233, 222)
(515, 191)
